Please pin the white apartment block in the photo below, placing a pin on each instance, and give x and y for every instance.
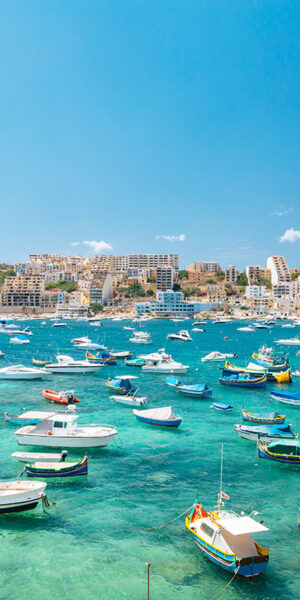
(255, 291)
(145, 261)
(279, 269)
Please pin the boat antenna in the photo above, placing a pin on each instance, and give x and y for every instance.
(221, 479)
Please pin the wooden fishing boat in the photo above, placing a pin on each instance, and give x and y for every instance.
(121, 384)
(283, 451)
(266, 358)
(255, 370)
(40, 363)
(101, 358)
(193, 391)
(62, 397)
(162, 417)
(57, 469)
(292, 398)
(222, 407)
(19, 496)
(243, 380)
(270, 418)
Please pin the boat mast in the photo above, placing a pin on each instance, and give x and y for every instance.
(221, 480)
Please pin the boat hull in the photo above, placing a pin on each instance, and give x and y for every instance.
(289, 459)
(74, 370)
(52, 441)
(285, 398)
(253, 437)
(164, 371)
(170, 423)
(76, 470)
(191, 394)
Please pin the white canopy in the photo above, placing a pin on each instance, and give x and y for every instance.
(241, 525)
(165, 413)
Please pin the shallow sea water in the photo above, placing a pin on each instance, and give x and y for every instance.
(92, 544)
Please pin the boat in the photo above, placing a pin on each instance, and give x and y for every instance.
(160, 362)
(249, 329)
(25, 457)
(135, 362)
(40, 363)
(224, 537)
(61, 397)
(262, 326)
(198, 329)
(196, 390)
(283, 451)
(1, 354)
(222, 407)
(89, 345)
(121, 384)
(19, 339)
(101, 358)
(129, 400)
(59, 324)
(181, 336)
(268, 418)
(163, 417)
(15, 419)
(289, 342)
(21, 372)
(67, 364)
(255, 370)
(296, 373)
(265, 358)
(61, 431)
(122, 354)
(197, 323)
(137, 339)
(217, 356)
(50, 470)
(19, 496)
(292, 398)
(267, 433)
(243, 380)
(288, 326)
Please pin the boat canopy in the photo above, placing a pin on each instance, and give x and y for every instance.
(265, 416)
(165, 413)
(198, 387)
(269, 429)
(241, 525)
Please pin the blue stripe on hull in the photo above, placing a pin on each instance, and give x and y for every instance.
(250, 570)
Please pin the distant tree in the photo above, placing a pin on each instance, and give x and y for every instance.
(294, 276)
(135, 290)
(150, 293)
(176, 287)
(242, 279)
(211, 281)
(220, 274)
(183, 274)
(65, 286)
(151, 279)
(96, 307)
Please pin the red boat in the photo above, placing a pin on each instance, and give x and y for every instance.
(62, 397)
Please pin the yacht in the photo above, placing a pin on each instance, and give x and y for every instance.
(89, 345)
(67, 364)
(62, 431)
(217, 356)
(160, 362)
(21, 372)
(289, 342)
(246, 328)
(181, 336)
(140, 337)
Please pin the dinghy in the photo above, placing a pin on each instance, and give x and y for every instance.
(222, 407)
(62, 397)
(57, 469)
(129, 400)
(163, 417)
(15, 419)
(270, 418)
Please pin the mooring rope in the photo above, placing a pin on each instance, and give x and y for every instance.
(169, 522)
(226, 586)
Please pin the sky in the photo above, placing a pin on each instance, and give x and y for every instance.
(143, 126)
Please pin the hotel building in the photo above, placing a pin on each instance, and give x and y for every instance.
(279, 269)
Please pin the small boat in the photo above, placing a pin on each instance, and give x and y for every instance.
(59, 324)
(270, 418)
(101, 358)
(89, 345)
(62, 397)
(283, 451)
(19, 496)
(1, 354)
(194, 390)
(196, 323)
(289, 342)
(222, 407)
(163, 417)
(140, 340)
(217, 356)
(15, 419)
(283, 376)
(19, 339)
(121, 384)
(292, 398)
(198, 329)
(266, 433)
(40, 363)
(243, 380)
(249, 329)
(135, 362)
(265, 358)
(181, 336)
(224, 537)
(26, 457)
(296, 373)
(67, 364)
(262, 326)
(289, 326)
(122, 354)
(129, 400)
(21, 372)
(160, 362)
(57, 469)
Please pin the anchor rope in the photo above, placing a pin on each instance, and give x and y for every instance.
(226, 586)
(169, 522)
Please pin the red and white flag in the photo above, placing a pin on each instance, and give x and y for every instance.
(225, 496)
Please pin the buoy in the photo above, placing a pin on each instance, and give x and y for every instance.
(225, 338)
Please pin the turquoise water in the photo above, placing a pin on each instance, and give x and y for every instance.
(92, 544)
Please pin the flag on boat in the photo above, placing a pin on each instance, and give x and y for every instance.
(224, 496)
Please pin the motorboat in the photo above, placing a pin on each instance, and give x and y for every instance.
(181, 336)
(197, 323)
(163, 417)
(266, 433)
(296, 373)
(19, 339)
(21, 372)
(198, 329)
(136, 362)
(262, 326)
(288, 342)
(129, 400)
(248, 328)
(197, 390)
(292, 398)
(160, 362)
(217, 357)
(59, 324)
(19, 496)
(25, 457)
(288, 326)
(61, 397)
(122, 384)
(283, 451)
(89, 345)
(67, 364)
(220, 320)
(122, 354)
(140, 340)
(62, 431)
(267, 418)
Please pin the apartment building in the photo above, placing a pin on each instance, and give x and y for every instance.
(164, 278)
(103, 263)
(257, 273)
(231, 274)
(255, 291)
(279, 269)
(19, 291)
(204, 267)
(145, 261)
(101, 289)
(168, 303)
(286, 290)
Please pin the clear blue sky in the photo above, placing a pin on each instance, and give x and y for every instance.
(124, 120)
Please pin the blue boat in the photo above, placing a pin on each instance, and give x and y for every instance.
(162, 417)
(194, 391)
(271, 418)
(101, 358)
(243, 380)
(292, 398)
(223, 407)
(57, 469)
(283, 451)
(15, 419)
(121, 384)
(135, 362)
(266, 433)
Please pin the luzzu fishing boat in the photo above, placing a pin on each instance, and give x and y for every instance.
(266, 358)
(224, 537)
(121, 384)
(270, 418)
(283, 451)
(266, 433)
(255, 370)
(243, 380)
(101, 358)
(57, 469)
(40, 363)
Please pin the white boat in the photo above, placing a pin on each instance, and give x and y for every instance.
(222, 320)
(61, 431)
(288, 326)
(181, 336)
(266, 433)
(160, 362)
(289, 342)
(196, 323)
(67, 364)
(59, 324)
(19, 340)
(122, 354)
(296, 373)
(128, 400)
(250, 329)
(18, 496)
(217, 356)
(21, 372)
(25, 457)
(89, 346)
(140, 340)
(198, 329)
(262, 326)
